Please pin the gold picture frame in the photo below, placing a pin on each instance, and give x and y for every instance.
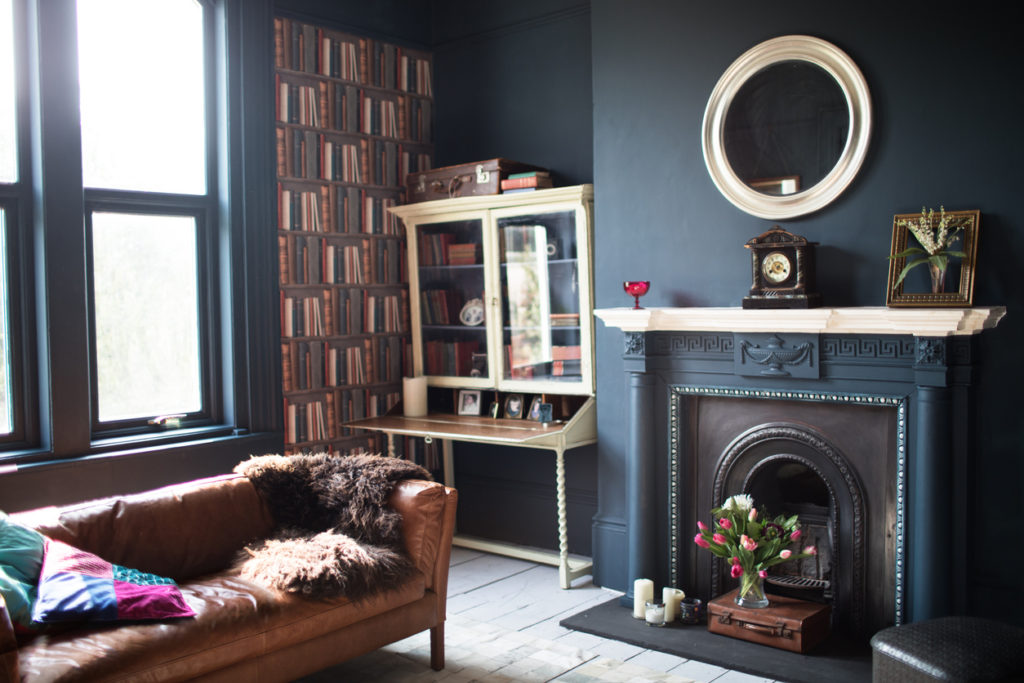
(909, 294)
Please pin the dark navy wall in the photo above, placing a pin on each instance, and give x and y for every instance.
(513, 80)
(944, 80)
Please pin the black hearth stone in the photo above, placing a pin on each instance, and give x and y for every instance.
(835, 660)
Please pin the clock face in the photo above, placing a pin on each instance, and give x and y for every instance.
(776, 267)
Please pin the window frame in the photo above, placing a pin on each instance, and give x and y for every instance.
(49, 281)
(207, 308)
(16, 203)
(202, 207)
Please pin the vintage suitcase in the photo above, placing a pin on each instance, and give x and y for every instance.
(463, 180)
(786, 623)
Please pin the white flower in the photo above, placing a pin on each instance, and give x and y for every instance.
(741, 502)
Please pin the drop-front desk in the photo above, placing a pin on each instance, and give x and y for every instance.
(578, 430)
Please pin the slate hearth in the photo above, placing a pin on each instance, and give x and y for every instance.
(837, 660)
(873, 403)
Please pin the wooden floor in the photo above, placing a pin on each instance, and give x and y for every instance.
(502, 625)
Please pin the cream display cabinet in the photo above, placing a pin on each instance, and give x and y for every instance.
(501, 301)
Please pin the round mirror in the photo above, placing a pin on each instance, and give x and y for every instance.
(786, 128)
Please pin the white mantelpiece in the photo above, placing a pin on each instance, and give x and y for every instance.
(919, 322)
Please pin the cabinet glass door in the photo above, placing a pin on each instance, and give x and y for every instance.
(450, 270)
(540, 281)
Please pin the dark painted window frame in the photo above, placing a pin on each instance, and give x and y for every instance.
(47, 242)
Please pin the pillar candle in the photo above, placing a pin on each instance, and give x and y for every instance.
(414, 396)
(671, 598)
(643, 590)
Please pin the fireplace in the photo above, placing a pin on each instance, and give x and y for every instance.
(857, 420)
(830, 459)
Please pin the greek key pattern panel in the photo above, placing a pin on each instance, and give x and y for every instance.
(868, 348)
(691, 344)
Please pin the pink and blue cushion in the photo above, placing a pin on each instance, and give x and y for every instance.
(78, 586)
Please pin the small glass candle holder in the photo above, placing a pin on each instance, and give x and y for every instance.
(654, 613)
(690, 610)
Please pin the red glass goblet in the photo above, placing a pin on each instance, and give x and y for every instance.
(636, 289)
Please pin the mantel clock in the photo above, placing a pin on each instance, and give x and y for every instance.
(783, 271)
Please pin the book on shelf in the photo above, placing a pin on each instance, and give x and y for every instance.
(533, 179)
(565, 319)
(463, 254)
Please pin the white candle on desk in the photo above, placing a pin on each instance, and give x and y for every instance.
(671, 598)
(414, 396)
(643, 591)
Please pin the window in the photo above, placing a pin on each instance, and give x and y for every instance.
(145, 271)
(134, 257)
(8, 175)
(5, 358)
(145, 173)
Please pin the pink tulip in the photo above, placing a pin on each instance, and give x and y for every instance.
(719, 539)
(736, 571)
(753, 514)
(747, 542)
(795, 536)
(786, 554)
(700, 540)
(735, 560)
(763, 573)
(725, 523)
(702, 526)
(811, 550)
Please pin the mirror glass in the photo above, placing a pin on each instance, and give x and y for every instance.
(786, 128)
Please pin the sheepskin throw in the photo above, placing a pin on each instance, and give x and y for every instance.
(335, 533)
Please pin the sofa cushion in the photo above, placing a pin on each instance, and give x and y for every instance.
(235, 620)
(78, 586)
(21, 557)
(213, 519)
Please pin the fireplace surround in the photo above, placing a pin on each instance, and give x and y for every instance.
(857, 418)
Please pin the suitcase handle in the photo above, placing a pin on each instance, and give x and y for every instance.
(779, 630)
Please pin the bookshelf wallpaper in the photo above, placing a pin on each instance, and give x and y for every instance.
(354, 117)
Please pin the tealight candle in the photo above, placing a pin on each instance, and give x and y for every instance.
(654, 613)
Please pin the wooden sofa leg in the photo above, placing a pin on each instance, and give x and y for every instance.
(437, 647)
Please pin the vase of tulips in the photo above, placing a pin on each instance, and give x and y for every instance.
(751, 543)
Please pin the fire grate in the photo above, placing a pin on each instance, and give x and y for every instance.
(803, 582)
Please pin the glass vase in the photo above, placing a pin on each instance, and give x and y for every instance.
(938, 277)
(751, 593)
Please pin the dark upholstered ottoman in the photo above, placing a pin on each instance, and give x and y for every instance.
(948, 649)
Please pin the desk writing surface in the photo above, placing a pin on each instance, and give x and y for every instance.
(463, 428)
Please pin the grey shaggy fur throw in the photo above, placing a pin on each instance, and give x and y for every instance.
(335, 533)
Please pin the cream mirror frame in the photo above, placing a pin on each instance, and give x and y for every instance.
(837, 64)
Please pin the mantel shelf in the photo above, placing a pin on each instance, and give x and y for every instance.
(919, 322)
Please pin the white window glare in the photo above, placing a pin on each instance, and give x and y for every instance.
(145, 271)
(8, 127)
(142, 95)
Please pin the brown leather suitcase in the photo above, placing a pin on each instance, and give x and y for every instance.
(462, 180)
(786, 623)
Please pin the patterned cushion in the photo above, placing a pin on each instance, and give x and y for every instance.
(21, 557)
(78, 586)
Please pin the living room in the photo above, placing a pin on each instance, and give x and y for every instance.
(613, 94)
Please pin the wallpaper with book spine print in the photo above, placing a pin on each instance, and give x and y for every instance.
(353, 119)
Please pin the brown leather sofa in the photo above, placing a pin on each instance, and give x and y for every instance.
(192, 532)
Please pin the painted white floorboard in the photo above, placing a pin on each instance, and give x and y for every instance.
(503, 616)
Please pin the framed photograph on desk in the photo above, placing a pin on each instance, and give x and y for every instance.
(514, 406)
(469, 402)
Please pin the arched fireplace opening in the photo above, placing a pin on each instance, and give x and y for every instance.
(791, 468)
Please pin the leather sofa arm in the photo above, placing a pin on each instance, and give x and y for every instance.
(8, 646)
(428, 524)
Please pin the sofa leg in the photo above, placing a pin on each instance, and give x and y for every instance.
(437, 647)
